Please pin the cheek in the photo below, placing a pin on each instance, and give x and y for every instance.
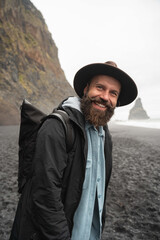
(114, 102)
(93, 93)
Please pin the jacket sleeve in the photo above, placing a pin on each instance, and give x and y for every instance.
(49, 164)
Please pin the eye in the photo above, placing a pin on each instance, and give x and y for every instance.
(99, 87)
(114, 93)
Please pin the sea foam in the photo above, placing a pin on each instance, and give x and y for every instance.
(149, 123)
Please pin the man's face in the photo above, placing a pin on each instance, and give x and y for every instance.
(100, 99)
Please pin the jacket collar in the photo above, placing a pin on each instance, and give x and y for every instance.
(75, 115)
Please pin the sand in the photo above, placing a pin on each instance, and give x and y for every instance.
(133, 199)
(133, 202)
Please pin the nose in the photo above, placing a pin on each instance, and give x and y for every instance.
(105, 96)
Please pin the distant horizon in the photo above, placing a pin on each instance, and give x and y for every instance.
(144, 123)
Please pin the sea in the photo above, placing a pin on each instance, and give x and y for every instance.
(149, 123)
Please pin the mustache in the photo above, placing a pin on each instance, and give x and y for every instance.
(101, 101)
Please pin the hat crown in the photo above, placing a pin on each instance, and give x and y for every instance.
(111, 63)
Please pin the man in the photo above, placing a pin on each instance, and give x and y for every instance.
(66, 195)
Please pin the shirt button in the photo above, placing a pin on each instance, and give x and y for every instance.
(99, 196)
(100, 210)
(98, 179)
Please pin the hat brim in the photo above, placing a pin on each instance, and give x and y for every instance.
(128, 87)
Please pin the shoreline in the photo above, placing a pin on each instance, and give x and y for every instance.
(148, 123)
(148, 135)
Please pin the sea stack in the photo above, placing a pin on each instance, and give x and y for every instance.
(138, 112)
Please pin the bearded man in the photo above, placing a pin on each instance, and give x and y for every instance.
(66, 196)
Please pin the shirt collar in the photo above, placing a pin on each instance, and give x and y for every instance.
(100, 132)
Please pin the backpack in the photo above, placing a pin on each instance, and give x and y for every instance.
(31, 121)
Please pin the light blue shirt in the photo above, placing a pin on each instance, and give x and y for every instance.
(88, 216)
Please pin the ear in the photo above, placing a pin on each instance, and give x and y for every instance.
(86, 89)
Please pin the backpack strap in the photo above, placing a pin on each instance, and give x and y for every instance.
(64, 118)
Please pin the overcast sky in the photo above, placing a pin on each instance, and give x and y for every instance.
(125, 31)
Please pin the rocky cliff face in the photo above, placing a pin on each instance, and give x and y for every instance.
(138, 112)
(29, 65)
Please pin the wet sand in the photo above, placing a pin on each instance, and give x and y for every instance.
(133, 199)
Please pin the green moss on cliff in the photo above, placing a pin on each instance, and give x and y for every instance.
(29, 61)
(25, 84)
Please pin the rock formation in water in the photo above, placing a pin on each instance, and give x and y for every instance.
(138, 112)
(29, 64)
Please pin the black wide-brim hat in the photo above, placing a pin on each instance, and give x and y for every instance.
(128, 87)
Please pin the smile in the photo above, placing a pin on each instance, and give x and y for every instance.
(99, 106)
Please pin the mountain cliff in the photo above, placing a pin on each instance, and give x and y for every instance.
(29, 64)
(138, 112)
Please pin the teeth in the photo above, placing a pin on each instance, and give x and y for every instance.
(100, 105)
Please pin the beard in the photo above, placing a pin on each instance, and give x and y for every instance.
(95, 116)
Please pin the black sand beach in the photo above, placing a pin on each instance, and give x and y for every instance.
(133, 200)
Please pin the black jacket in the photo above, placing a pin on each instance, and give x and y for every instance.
(50, 198)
